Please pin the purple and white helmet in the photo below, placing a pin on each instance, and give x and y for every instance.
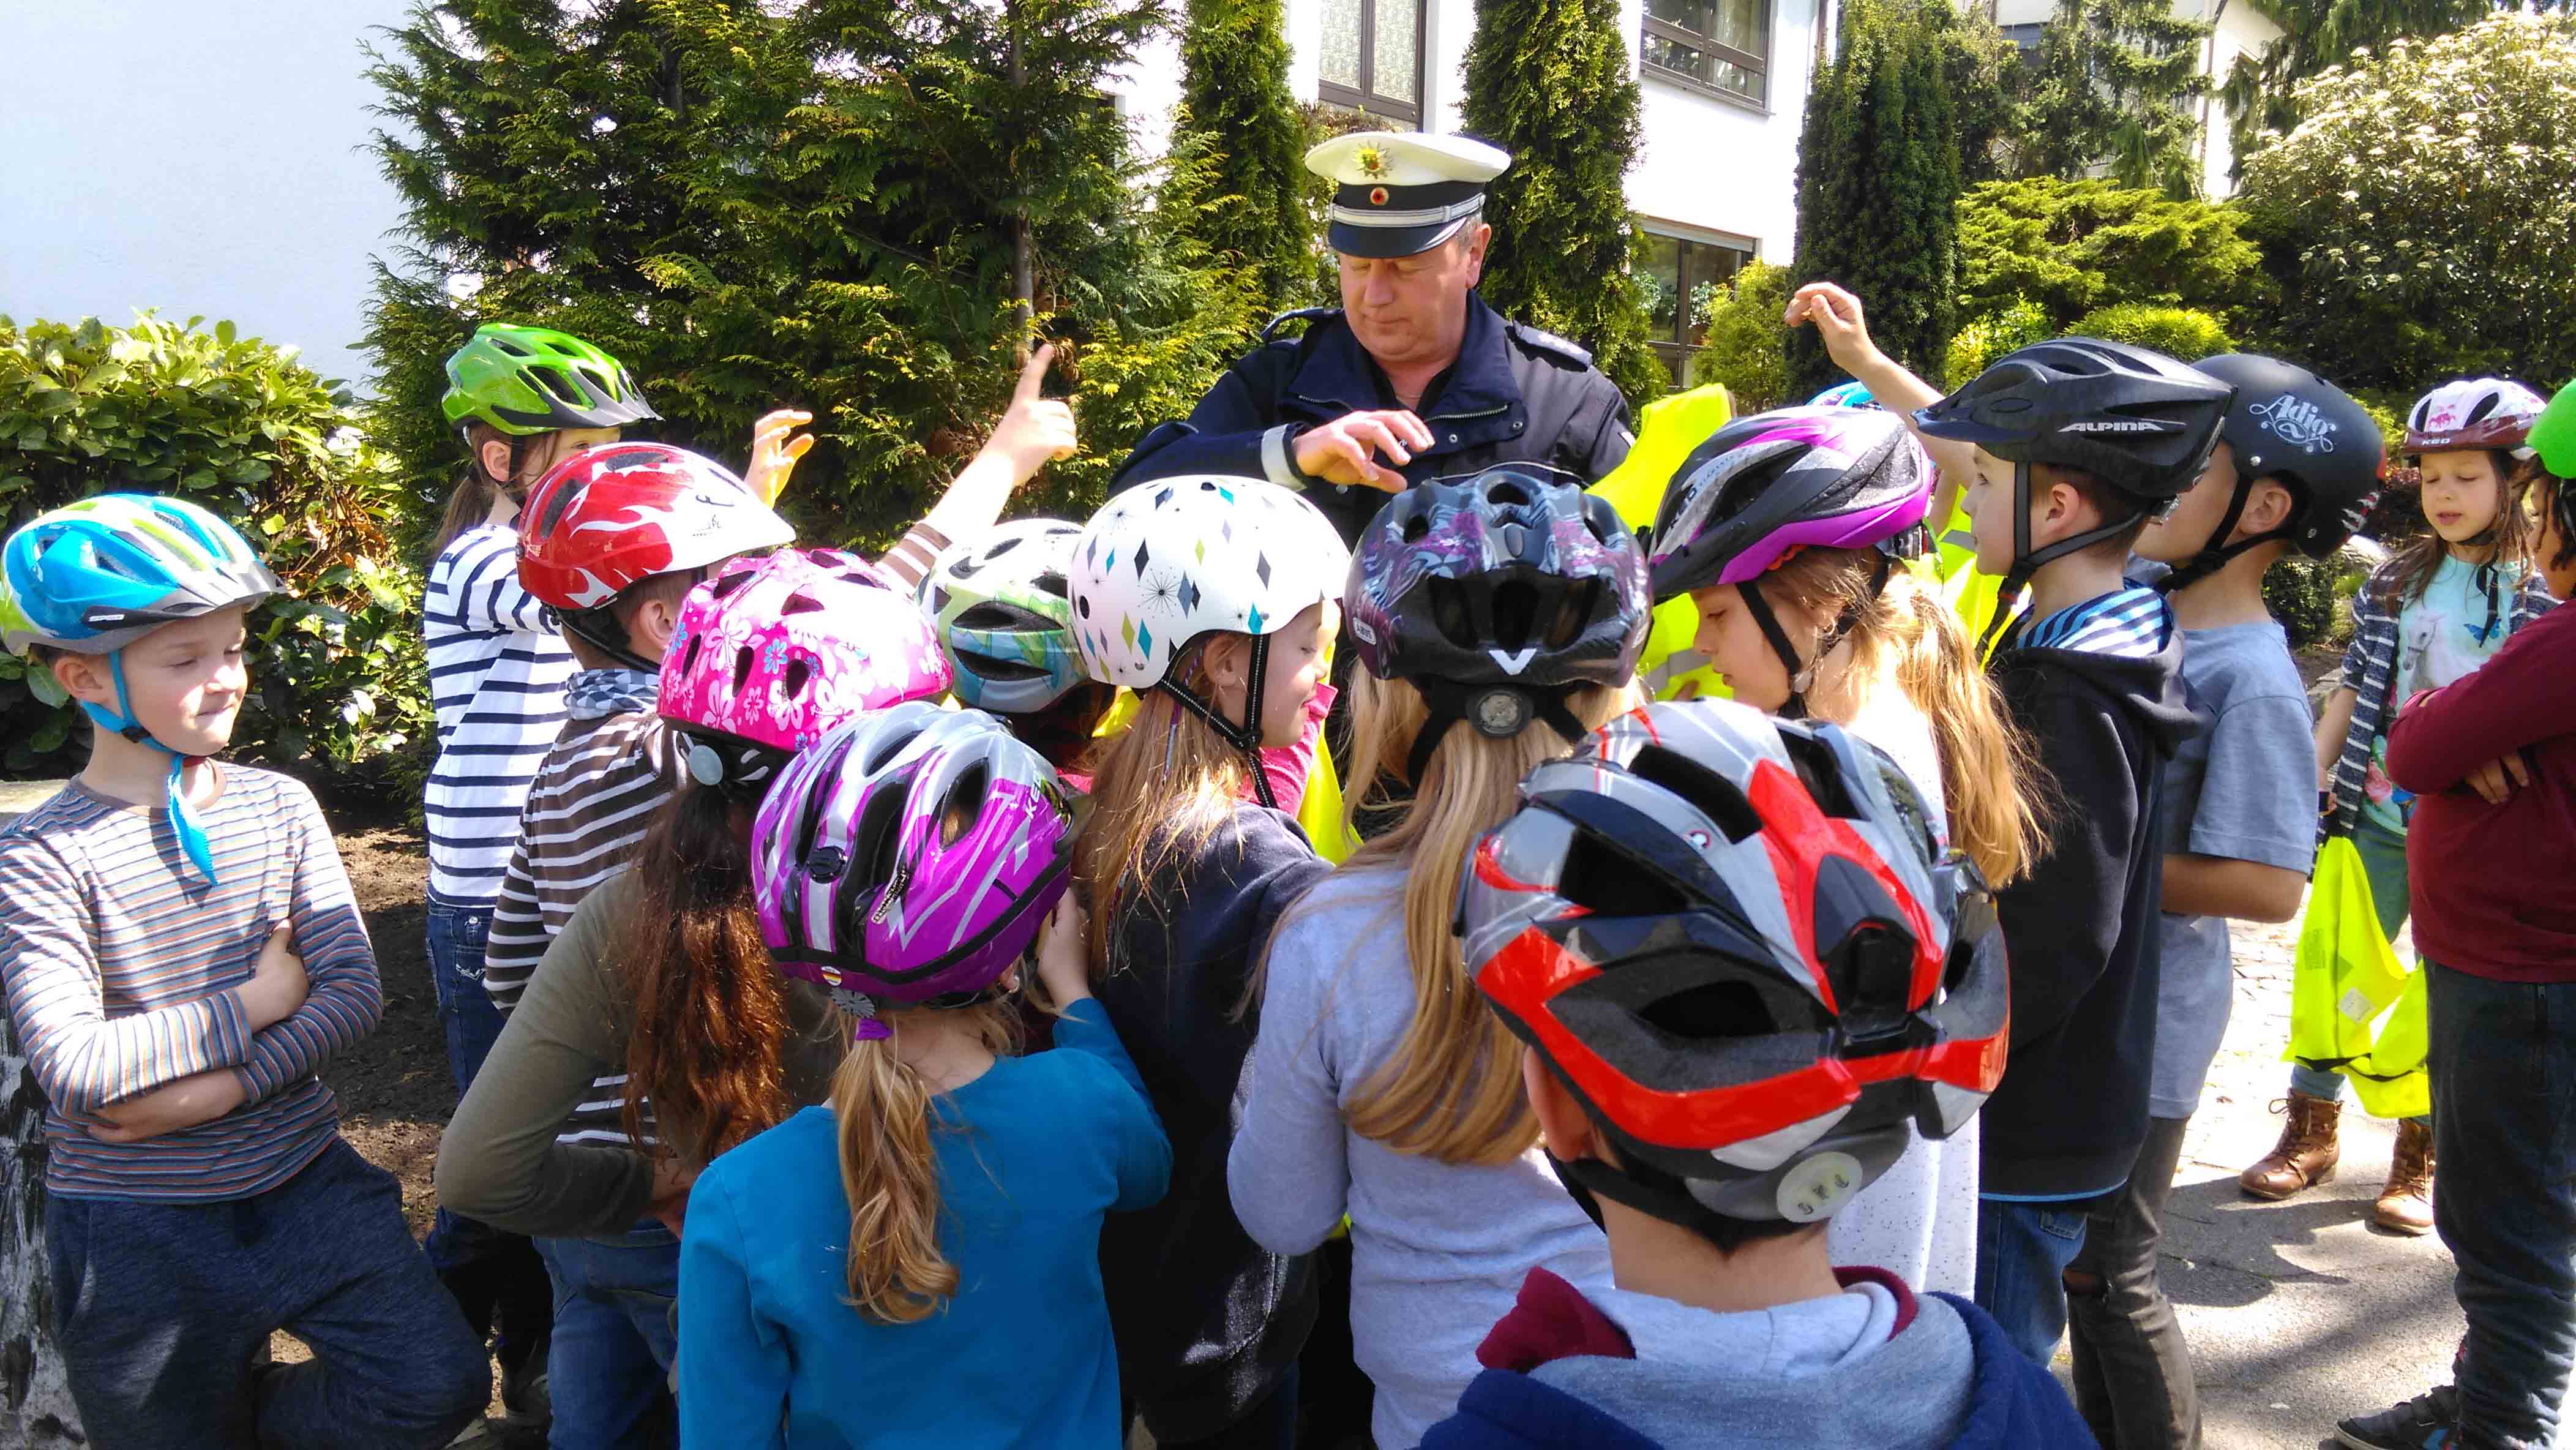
(1765, 486)
(911, 854)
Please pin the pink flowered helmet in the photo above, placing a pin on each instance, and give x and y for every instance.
(772, 653)
(910, 855)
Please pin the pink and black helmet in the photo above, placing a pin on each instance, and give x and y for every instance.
(772, 653)
(1764, 487)
(908, 856)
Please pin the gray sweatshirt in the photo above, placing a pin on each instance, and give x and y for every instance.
(1438, 1250)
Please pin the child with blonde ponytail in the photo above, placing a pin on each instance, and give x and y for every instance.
(917, 1261)
(1791, 531)
(1499, 620)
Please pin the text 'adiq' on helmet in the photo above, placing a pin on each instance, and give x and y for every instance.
(1001, 605)
(909, 856)
(2137, 420)
(2287, 423)
(773, 653)
(611, 516)
(2494, 413)
(524, 380)
(1497, 595)
(1764, 487)
(1169, 562)
(1739, 943)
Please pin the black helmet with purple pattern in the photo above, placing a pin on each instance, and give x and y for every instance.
(1496, 595)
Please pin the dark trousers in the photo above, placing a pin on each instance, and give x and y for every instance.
(609, 1364)
(1270, 1424)
(2503, 1062)
(496, 1277)
(163, 1312)
(2022, 1253)
(2133, 1380)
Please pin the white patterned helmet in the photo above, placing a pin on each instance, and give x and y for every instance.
(2474, 413)
(1168, 561)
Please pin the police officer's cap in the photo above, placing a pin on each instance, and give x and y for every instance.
(1396, 193)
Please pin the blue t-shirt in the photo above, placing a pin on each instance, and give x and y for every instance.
(2442, 634)
(1031, 1155)
(2244, 788)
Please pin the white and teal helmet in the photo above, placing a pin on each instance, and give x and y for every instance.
(92, 577)
(1002, 606)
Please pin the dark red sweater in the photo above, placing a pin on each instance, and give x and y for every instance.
(2493, 888)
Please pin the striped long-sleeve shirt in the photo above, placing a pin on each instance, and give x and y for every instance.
(122, 964)
(496, 678)
(594, 795)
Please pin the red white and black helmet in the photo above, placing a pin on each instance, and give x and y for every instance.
(611, 516)
(1740, 943)
(2474, 413)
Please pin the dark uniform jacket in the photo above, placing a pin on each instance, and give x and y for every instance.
(1515, 395)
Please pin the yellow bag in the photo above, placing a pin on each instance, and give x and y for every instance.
(2346, 978)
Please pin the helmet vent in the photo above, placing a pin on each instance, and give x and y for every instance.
(801, 602)
(726, 586)
(1507, 493)
(689, 656)
(965, 804)
(1416, 527)
(1708, 792)
(1515, 608)
(799, 673)
(1720, 1009)
(1004, 547)
(1821, 774)
(504, 344)
(558, 384)
(743, 660)
(1607, 883)
(1053, 583)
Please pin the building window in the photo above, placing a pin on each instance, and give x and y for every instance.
(1684, 279)
(1718, 45)
(2024, 37)
(1372, 57)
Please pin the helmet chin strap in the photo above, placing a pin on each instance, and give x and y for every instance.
(1245, 737)
(1802, 673)
(121, 721)
(2215, 552)
(2028, 561)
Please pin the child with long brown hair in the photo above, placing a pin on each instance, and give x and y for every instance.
(1499, 620)
(917, 1261)
(1792, 530)
(1214, 599)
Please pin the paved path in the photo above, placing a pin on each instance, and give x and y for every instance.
(2298, 1313)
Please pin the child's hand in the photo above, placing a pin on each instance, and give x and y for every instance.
(1836, 316)
(1064, 956)
(197, 1098)
(2495, 780)
(277, 983)
(1036, 429)
(774, 452)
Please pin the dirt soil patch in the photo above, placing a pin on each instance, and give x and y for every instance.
(395, 1092)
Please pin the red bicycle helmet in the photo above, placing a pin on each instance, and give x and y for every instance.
(612, 516)
(1740, 943)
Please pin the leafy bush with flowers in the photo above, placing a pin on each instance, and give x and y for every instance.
(239, 426)
(2421, 221)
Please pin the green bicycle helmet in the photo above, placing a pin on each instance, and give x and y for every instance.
(524, 380)
(2553, 434)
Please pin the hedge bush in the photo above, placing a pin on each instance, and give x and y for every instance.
(1990, 335)
(2180, 332)
(1745, 341)
(242, 428)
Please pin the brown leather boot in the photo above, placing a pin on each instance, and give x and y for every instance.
(2406, 1205)
(2305, 1156)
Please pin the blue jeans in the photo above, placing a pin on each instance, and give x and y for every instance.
(2504, 1195)
(163, 1311)
(496, 1277)
(610, 1363)
(2383, 862)
(2022, 1253)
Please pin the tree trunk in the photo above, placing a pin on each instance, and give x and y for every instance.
(35, 1399)
(1024, 261)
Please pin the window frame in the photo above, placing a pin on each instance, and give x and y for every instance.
(1676, 355)
(1365, 100)
(1745, 60)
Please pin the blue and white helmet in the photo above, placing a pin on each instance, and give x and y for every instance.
(94, 576)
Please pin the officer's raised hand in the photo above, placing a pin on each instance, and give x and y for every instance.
(1346, 449)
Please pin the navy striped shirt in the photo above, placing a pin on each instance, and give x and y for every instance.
(496, 678)
(122, 965)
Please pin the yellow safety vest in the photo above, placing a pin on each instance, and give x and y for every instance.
(2354, 1006)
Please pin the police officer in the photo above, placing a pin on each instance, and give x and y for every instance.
(1413, 376)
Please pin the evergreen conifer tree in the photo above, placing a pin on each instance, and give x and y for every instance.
(1549, 81)
(839, 206)
(1878, 187)
(2109, 87)
(1238, 182)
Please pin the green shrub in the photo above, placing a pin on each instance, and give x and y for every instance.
(1745, 340)
(242, 428)
(2076, 246)
(1987, 337)
(2300, 592)
(2180, 332)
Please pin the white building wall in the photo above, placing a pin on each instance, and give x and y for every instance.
(2239, 30)
(197, 158)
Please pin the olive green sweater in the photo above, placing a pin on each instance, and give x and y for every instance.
(500, 1161)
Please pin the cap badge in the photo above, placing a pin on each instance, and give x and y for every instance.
(1372, 162)
(1377, 196)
